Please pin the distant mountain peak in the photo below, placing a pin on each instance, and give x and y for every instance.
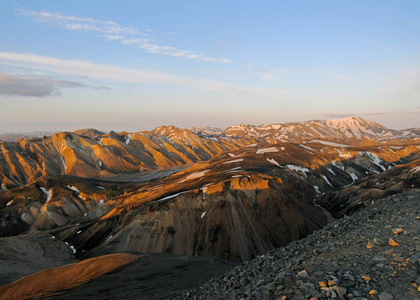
(349, 127)
(167, 130)
(205, 130)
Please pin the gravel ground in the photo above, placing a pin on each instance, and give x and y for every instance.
(373, 254)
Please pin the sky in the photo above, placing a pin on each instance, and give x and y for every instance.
(135, 65)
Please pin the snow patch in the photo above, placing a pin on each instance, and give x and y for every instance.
(306, 147)
(374, 158)
(195, 175)
(72, 248)
(108, 238)
(73, 188)
(203, 214)
(251, 145)
(326, 179)
(231, 154)
(127, 141)
(48, 193)
(414, 170)
(331, 171)
(317, 189)
(102, 201)
(265, 150)
(79, 232)
(63, 162)
(100, 187)
(234, 161)
(299, 168)
(273, 161)
(9, 203)
(330, 143)
(100, 163)
(169, 197)
(233, 169)
(354, 176)
(343, 155)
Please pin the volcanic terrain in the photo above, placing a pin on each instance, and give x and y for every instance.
(190, 195)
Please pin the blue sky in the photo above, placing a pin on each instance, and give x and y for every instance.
(136, 65)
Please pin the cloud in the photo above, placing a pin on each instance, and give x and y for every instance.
(372, 114)
(410, 113)
(269, 73)
(112, 31)
(108, 72)
(338, 115)
(345, 115)
(338, 76)
(35, 86)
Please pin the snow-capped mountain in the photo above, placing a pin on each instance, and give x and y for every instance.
(351, 127)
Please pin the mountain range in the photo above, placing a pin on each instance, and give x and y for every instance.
(233, 194)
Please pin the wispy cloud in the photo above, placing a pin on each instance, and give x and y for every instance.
(345, 115)
(36, 86)
(410, 113)
(338, 76)
(108, 72)
(338, 115)
(269, 73)
(112, 31)
(372, 114)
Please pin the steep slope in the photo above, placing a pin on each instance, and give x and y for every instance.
(348, 199)
(373, 254)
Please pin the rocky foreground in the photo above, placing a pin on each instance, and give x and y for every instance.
(373, 254)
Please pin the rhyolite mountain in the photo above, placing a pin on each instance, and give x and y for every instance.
(233, 195)
(92, 153)
(347, 128)
(235, 206)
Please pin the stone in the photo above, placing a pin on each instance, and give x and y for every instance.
(379, 242)
(318, 273)
(303, 274)
(340, 291)
(393, 243)
(271, 286)
(379, 258)
(385, 296)
(373, 292)
(397, 231)
(366, 278)
(415, 258)
(369, 245)
(326, 291)
(333, 282)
